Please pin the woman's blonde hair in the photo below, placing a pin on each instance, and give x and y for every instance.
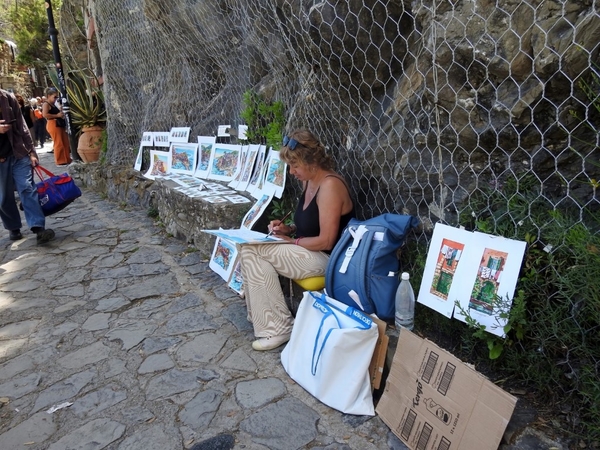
(303, 147)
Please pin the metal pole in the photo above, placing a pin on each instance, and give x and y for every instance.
(62, 85)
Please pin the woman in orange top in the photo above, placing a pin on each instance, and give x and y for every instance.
(60, 138)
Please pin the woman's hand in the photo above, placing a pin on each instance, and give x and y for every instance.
(278, 228)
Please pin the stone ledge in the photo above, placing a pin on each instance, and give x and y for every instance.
(184, 217)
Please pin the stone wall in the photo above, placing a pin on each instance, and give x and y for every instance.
(182, 216)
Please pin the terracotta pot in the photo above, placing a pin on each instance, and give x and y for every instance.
(90, 143)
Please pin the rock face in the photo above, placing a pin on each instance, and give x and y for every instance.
(422, 103)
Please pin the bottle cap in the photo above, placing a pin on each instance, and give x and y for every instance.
(405, 276)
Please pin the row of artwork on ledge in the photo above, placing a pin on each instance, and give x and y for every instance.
(192, 165)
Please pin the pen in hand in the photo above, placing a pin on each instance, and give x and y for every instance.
(280, 222)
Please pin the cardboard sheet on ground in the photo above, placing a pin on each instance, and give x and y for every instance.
(479, 271)
(434, 401)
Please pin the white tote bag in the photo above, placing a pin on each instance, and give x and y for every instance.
(329, 353)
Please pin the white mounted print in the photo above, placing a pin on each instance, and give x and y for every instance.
(161, 139)
(179, 134)
(183, 158)
(206, 145)
(275, 174)
(224, 162)
(159, 164)
(247, 167)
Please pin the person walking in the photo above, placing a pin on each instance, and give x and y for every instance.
(17, 157)
(27, 111)
(56, 127)
(39, 127)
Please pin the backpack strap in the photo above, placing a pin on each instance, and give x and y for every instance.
(357, 234)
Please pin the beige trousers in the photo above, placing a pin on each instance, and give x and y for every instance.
(261, 266)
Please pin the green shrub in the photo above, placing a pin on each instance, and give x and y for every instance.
(265, 120)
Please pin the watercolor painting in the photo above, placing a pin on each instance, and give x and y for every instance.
(159, 164)
(255, 184)
(253, 150)
(183, 158)
(223, 258)
(485, 289)
(275, 174)
(445, 268)
(161, 139)
(238, 171)
(138, 159)
(256, 211)
(237, 282)
(224, 162)
(179, 134)
(477, 270)
(205, 150)
(147, 139)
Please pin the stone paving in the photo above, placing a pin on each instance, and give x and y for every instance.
(134, 343)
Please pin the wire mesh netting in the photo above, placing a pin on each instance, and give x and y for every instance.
(462, 112)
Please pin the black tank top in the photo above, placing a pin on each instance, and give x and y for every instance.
(307, 220)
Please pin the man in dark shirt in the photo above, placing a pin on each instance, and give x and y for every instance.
(17, 157)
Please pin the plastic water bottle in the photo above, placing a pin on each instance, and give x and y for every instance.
(405, 303)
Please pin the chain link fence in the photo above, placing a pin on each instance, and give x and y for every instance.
(469, 112)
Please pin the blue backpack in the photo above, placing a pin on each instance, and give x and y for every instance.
(362, 271)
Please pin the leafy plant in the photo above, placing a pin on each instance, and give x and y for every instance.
(28, 22)
(86, 100)
(279, 208)
(514, 316)
(266, 121)
(553, 344)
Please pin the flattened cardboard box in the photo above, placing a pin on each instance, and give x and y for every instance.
(379, 354)
(433, 401)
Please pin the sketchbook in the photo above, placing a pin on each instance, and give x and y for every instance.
(244, 236)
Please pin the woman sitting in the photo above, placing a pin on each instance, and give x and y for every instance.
(324, 209)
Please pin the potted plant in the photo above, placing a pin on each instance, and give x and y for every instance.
(87, 112)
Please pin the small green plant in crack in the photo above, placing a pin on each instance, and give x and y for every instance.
(152, 212)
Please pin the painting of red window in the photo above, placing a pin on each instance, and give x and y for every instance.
(485, 288)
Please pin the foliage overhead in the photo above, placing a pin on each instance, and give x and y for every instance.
(28, 22)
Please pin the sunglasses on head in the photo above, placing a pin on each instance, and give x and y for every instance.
(290, 143)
